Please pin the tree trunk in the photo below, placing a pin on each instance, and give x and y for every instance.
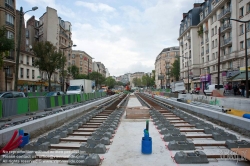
(49, 77)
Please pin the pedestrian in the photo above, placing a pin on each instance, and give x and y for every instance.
(235, 88)
(242, 87)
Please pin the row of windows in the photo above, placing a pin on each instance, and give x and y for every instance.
(247, 10)
(27, 60)
(10, 19)
(10, 2)
(27, 73)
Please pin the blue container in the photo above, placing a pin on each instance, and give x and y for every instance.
(25, 138)
(246, 116)
(146, 143)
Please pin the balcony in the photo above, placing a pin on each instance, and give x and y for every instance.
(9, 7)
(181, 43)
(202, 53)
(207, 40)
(10, 58)
(10, 75)
(226, 42)
(202, 42)
(207, 51)
(225, 13)
(188, 38)
(64, 34)
(225, 28)
(9, 24)
(205, 29)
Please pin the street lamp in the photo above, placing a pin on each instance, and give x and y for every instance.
(246, 59)
(19, 42)
(188, 67)
(63, 48)
(6, 70)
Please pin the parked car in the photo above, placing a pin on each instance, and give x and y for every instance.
(209, 89)
(11, 94)
(55, 93)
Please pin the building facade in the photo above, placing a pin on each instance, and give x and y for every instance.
(8, 20)
(214, 35)
(100, 68)
(163, 65)
(135, 75)
(82, 60)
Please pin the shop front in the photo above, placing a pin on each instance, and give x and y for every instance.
(31, 86)
(205, 81)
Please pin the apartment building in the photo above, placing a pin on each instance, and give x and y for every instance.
(8, 19)
(163, 64)
(82, 60)
(107, 72)
(100, 68)
(214, 35)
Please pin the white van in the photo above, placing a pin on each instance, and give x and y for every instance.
(178, 87)
(209, 89)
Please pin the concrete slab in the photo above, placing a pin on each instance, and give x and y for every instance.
(133, 102)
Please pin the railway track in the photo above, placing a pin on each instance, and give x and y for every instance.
(79, 142)
(192, 140)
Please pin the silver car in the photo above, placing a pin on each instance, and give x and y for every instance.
(11, 94)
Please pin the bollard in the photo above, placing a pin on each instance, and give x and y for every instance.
(146, 147)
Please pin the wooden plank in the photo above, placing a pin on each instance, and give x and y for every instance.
(81, 134)
(187, 125)
(199, 136)
(74, 139)
(243, 152)
(209, 144)
(85, 129)
(191, 130)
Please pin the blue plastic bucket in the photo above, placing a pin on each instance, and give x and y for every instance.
(25, 138)
(146, 145)
(246, 116)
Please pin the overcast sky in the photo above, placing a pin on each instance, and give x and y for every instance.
(125, 35)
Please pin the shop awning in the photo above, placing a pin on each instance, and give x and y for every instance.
(241, 77)
(186, 81)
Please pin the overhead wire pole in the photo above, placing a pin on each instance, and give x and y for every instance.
(218, 75)
(246, 58)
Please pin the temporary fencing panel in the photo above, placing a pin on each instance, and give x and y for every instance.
(60, 102)
(52, 101)
(22, 105)
(9, 107)
(42, 103)
(78, 98)
(1, 109)
(33, 104)
(71, 98)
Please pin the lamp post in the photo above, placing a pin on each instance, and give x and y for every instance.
(19, 42)
(188, 68)
(63, 48)
(246, 59)
(6, 70)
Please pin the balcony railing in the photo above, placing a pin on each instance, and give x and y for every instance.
(9, 24)
(202, 42)
(225, 27)
(202, 53)
(12, 58)
(9, 7)
(188, 38)
(207, 51)
(226, 41)
(224, 12)
(64, 34)
(207, 40)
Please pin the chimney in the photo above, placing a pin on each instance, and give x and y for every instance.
(184, 15)
(197, 5)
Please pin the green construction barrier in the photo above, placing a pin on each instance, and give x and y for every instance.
(71, 99)
(22, 105)
(1, 109)
(66, 97)
(52, 101)
(78, 97)
(86, 96)
(33, 104)
(60, 102)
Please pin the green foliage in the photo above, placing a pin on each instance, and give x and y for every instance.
(74, 71)
(200, 31)
(175, 69)
(81, 76)
(6, 44)
(119, 83)
(99, 79)
(110, 82)
(137, 81)
(48, 58)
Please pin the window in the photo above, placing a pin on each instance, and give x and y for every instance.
(73, 56)
(207, 58)
(203, 60)
(248, 26)
(69, 64)
(10, 35)
(28, 60)
(212, 44)
(212, 31)
(213, 5)
(215, 30)
(216, 55)
(242, 11)
(230, 49)
(21, 58)
(73, 62)
(9, 2)
(212, 20)
(242, 45)
(21, 73)
(9, 19)
(213, 56)
(224, 51)
(206, 12)
(81, 56)
(248, 7)
(248, 43)
(28, 73)
(241, 29)
(80, 68)
(33, 61)
(33, 74)
(201, 16)
(81, 63)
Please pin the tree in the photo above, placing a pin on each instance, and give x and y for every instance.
(82, 76)
(137, 81)
(110, 82)
(99, 79)
(175, 69)
(5, 44)
(74, 71)
(48, 58)
(146, 80)
(119, 83)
